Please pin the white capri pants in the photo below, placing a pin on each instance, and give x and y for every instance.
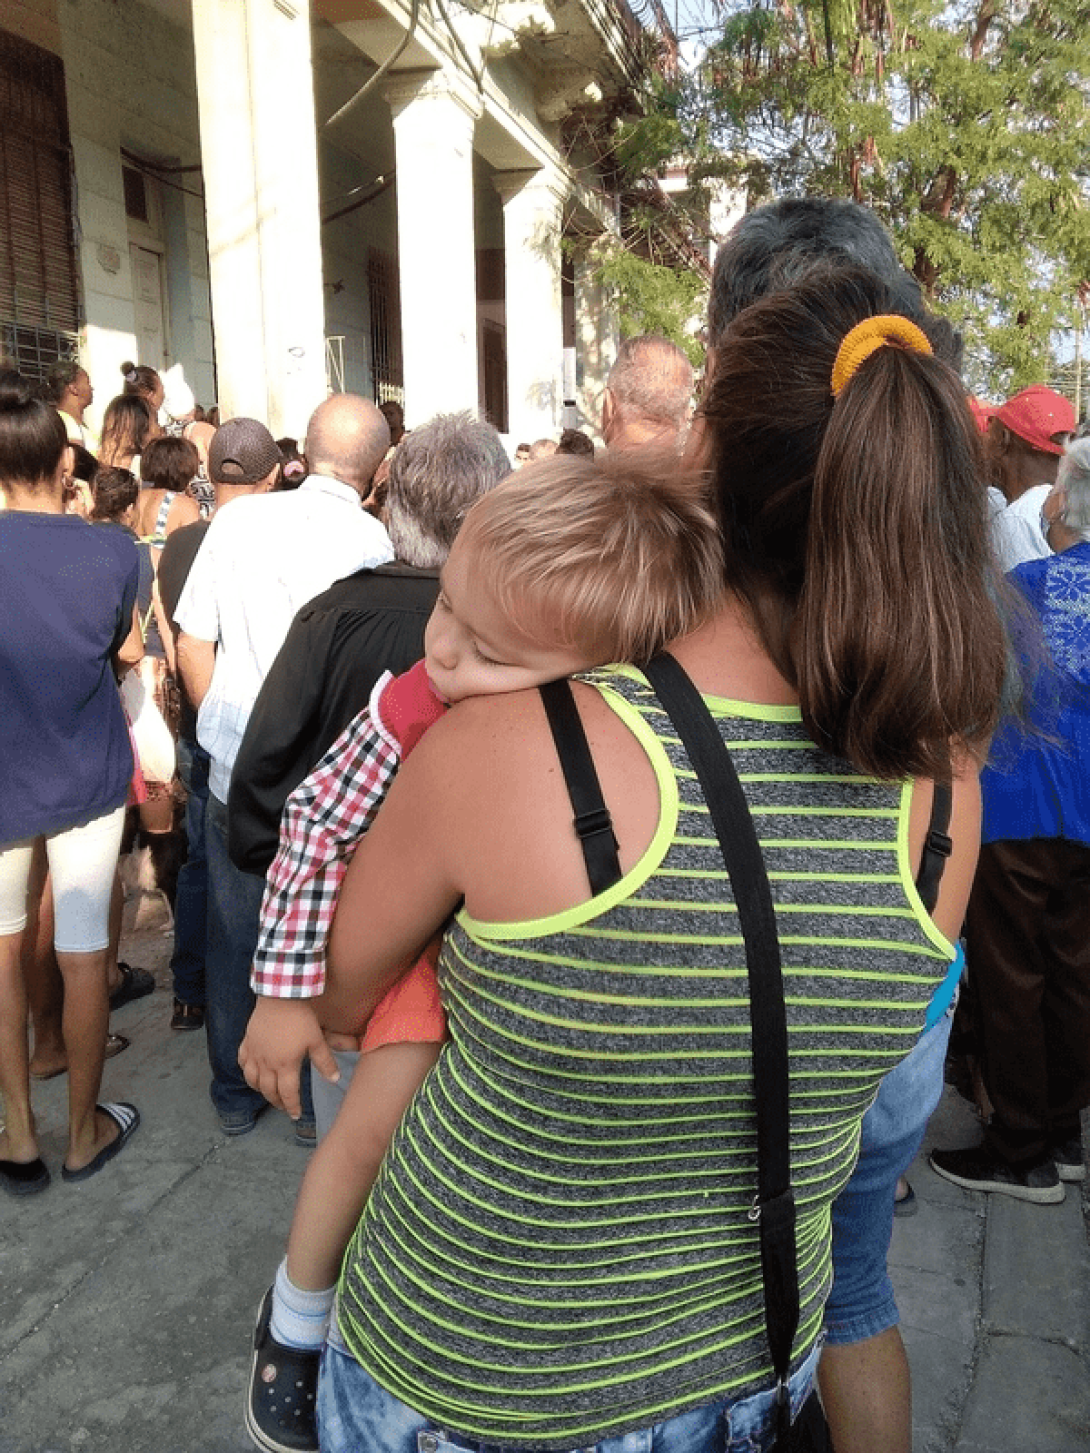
(82, 861)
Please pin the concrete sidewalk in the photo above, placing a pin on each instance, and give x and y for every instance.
(126, 1304)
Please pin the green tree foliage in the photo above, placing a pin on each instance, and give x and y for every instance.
(652, 297)
(964, 125)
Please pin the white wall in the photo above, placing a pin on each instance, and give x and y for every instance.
(130, 82)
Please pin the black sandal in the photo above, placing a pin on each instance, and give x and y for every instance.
(135, 983)
(281, 1391)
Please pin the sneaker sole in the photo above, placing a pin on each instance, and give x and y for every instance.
(260, 1439)
(1039, 1195)
(1071, 1173)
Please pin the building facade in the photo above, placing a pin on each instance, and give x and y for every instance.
(356, 194)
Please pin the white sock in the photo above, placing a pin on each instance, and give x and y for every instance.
(299, 1318)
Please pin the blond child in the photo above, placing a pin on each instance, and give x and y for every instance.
(572, 564)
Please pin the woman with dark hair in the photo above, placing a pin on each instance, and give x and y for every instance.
(127, 425)
(294, 468)
(69, 390)
(66, 607)
(144, 383)
(560, 1250)
(115, 493)
(167, 468)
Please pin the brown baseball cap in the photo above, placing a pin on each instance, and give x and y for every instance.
(242, 452)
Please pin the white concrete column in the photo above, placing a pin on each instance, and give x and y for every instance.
(532, 203)
(259, 151)
(596, 341)
(434, 119)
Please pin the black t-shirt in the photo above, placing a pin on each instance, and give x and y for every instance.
(175, 563)
(338, 646)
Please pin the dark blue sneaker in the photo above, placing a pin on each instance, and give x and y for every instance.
(241, 1122)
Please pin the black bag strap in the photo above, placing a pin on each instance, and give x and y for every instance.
(593, 824)
(774, 1204)
(937, 846)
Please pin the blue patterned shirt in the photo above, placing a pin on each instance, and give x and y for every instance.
(1038, 785)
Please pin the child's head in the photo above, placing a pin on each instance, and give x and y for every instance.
(572, 563)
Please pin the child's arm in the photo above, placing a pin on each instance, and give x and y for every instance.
(343, 1168)
(324, 819)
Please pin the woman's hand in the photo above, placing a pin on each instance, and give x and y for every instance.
(281, 1032)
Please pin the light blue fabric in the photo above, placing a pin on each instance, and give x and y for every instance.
(356, 1414)
(943, 996)
(861, 1303)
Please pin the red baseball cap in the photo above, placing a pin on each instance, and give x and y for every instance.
(982, 413)
(1035, 415)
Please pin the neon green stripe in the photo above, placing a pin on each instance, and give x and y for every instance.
(831, 844)
(784, 877)
(590, 966)
(714, 940)
(678, 906)
(908, 879)
(701, 809)
(723, 705)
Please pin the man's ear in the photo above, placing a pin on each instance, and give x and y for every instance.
(709, 370)
(609, 412)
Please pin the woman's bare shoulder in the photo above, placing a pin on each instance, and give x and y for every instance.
(184, 510)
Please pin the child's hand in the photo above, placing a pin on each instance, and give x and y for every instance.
(280, 1033)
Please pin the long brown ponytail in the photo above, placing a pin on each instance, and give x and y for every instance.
(855, 529)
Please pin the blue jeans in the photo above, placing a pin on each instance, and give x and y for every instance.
(191, 902)
(234, 912)
(356, 1414)
(234, 908)
(861, 1303)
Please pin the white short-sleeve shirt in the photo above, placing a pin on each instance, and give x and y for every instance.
(1016, 528)
(264, 557)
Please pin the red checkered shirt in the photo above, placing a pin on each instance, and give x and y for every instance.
(324, 819)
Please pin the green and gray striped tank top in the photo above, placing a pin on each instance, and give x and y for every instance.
(557, 1248)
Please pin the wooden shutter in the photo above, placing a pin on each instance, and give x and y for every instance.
(39, 292)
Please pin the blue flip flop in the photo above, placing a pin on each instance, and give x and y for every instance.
(126, 1117)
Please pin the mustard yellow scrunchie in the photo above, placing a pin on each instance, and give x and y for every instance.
(870, 335)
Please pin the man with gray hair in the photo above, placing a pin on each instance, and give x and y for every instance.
(342, 641)
(648, 395)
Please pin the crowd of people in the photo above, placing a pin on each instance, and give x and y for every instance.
(327, 685)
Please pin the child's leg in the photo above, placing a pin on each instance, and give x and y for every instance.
(343, 1168)
(293, 1320)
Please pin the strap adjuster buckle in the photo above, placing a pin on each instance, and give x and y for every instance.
(940, 842)
(590, 824)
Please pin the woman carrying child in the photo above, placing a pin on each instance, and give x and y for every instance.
(557, 1251)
